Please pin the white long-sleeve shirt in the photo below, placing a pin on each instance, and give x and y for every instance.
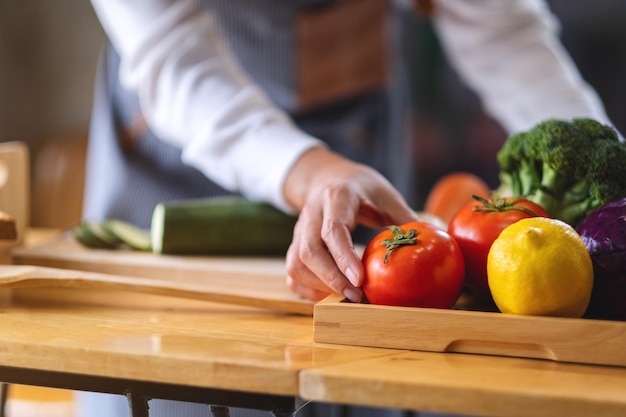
(195, 95)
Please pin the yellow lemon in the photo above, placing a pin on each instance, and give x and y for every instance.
(540, 266)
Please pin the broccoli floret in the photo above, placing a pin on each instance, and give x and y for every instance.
(569, 167)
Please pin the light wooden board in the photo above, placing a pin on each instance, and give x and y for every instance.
(435, 330)
(256, 282)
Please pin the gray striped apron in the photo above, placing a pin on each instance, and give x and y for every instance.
(129, 170)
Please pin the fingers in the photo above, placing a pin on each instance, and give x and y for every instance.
(340, 208)
(311, 267)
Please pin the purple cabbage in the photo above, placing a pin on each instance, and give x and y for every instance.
(604, 233)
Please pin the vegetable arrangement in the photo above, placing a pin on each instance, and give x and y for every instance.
(573, 171)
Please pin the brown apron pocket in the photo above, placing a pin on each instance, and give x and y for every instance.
(341, 50)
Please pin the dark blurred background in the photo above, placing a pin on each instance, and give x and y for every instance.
(49, 49)
(452, 131)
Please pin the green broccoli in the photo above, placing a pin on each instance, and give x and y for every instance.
(569, 167)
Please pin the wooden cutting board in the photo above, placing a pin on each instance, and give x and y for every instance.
(255, 282)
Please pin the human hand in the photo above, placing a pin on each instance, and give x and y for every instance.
(334, 195)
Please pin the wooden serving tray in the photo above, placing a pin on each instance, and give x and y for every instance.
(600, 342)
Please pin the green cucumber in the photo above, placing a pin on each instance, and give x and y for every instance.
(220, 226)
(128, 234)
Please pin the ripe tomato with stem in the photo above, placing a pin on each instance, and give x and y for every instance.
(416, 264)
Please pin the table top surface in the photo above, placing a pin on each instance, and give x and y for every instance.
(156, 339)
(209, 345)
(471, 384)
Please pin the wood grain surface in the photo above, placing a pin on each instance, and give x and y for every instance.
(437, 330)
(211, 345)
(469, 384)
(257, 282)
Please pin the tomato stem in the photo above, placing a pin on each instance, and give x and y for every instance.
(399, 239)
(500, 204)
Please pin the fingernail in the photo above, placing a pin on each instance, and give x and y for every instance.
(352, 276)
(352, 294)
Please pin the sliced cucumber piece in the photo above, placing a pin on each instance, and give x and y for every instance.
(128, 234)
(92, 235)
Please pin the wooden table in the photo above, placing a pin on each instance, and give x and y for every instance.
(154, 347)
(148, 346)
(158, 347)
(237, 356)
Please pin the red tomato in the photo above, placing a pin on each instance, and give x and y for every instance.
(417, 265)
(479, 223)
